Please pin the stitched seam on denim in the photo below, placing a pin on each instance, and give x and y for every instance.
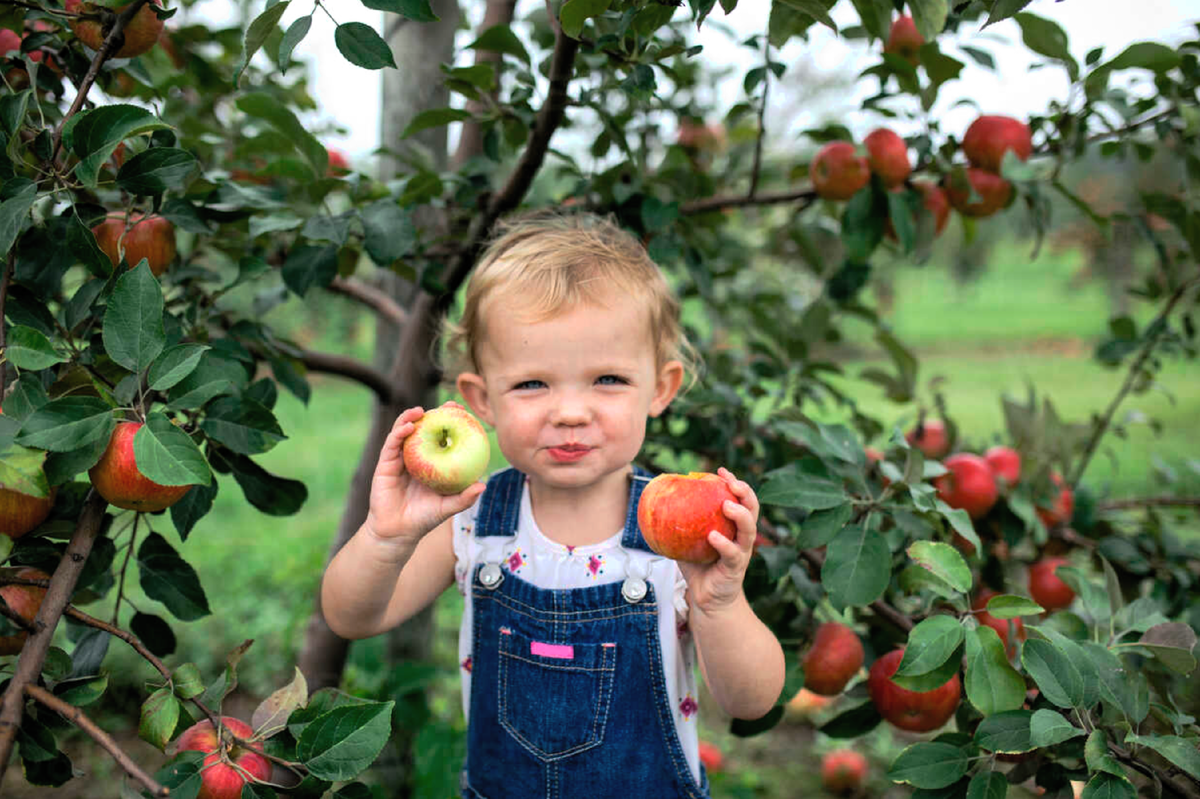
(642, 608)
(546, 665)
(541, 617)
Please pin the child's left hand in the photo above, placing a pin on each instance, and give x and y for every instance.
(717, 585)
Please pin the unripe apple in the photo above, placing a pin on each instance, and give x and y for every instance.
(1064, 504)
(905, 40)
(116, 476)
(141, 33)
(24, 600)
(1005, 462)
(1046, 587)
(915, 711)
(838, 171)
(712, 757)
(219, 777)
(448, 449)
(834, 658)
(152, 238)
(805, 703)
(970, 484)
(887, 156)
(999, 625)
(994, 193)
(990, 136)
(677, 511)
(843, 771)
(931, 437)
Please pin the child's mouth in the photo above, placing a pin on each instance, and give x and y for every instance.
(568, 452)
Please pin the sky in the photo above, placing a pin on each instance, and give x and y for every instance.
(350, 94)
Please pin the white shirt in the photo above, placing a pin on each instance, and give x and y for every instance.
(547, 564)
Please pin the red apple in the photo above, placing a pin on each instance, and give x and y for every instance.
(339, 165)
(970, 485)
(711, 757)
(989, 137)
(838, 171)
(905, 40)
(994, 193)
(931, 437)
(678, 511)
(1064, 504)
(140, 34)
(24, 600)
(1046, 587)
(999, 625)
(116, 477)
(843, 771)
(220, 779)
(915, 711)
(935, 202)
(835, 656)
(152, 238)
(887, 156)
(10, 47)
(1005, 462)
(448, 449)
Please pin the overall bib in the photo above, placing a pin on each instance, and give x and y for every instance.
(568, 698)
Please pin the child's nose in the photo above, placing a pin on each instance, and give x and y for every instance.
(571, 411)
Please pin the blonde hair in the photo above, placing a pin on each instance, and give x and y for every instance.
(547, 261)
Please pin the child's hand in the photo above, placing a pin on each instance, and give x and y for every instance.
(401, 507)
(716, 585)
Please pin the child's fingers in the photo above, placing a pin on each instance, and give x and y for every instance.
(732, 552)
(391, 461)
(741, 516)
(457, 503)
(741, 489)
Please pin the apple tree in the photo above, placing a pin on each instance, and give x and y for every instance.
(135, 383)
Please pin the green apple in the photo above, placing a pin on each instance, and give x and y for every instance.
(448, 450)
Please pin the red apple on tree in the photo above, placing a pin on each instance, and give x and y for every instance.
(838, 171)
(447, 450)
(905, 40)
(994, 193)
(20, 513)
(24, 600)
(970, 484)
(1046, 587)
(999, 625)
(990, 136)
(1005, 462)
(887, 156)
(931, 437)
(843, 771)
(835, 656)
(228, 765)
(339, 165)
(140, 33)
(677, 512)
(152, 238)
(915, 711)
(935, 202)
(1064, 504)
(116, 476)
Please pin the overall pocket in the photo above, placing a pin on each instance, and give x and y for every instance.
(554, 698)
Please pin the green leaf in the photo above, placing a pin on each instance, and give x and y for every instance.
(822, 526)
(1179, 751)
(1006, 732)
(1056, 676)
(156, 171)
(817, 9)
(433, 118)
(960, 522)
(1008, 606)
(858, 567)
(931, 643)
(1097, 755)
(1172, 643)
(344, 742)
(167, 455)
(390, 232)
(575, 14)
(133, 322)
(243, 425)
(95, 135)
(793, 490)
(1049, 727)
(30, 349)
(1107, 786)
(14, 211)
(863, 222)
(500, 39)
(944, 561)
(182, 775)
(929, 765)
(1047, 38)
(160, 715)
(987, 785)
(187, 681)
(256, 35)
(265, 107)
(1146, 55)
(992, 684)
(67, 423)
(82, 244)
(1116, 687)
(170, 579)
(416, 10)
(310, 265)
(174, 364)
(876, 16)
(362, 46)
(1004, 9)
(82, 691)
(275, 496)
(291, 40)
(929, 16)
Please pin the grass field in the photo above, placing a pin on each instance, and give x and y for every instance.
(1024, 322)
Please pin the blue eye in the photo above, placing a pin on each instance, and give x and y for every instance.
(529, 385)
(611, 380)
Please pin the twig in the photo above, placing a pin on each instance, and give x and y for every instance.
(806, 196)
(372, 297)
(80, 720)
(762, 128)
(1131, 377)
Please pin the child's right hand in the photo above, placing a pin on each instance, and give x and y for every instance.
(402, 508)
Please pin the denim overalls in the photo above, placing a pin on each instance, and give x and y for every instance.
(568, 698)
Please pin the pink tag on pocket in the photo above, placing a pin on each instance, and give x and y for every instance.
(559, 651)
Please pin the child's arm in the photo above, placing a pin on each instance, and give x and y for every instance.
(401, 558)
(740, 658)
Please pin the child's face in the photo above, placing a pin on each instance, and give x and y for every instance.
(569, 395)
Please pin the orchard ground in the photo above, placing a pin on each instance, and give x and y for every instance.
(1022, 321)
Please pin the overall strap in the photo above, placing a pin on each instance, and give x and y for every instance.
(500, 506)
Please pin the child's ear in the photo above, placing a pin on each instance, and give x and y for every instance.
(670, 377)
(474, 391)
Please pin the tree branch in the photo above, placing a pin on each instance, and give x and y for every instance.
(1130, 378)
(80, 720)
(806, 196)
(351, 369)
(33, 654)
(372, 297)
(762, 128)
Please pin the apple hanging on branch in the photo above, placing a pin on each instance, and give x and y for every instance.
(834, 658)
(24, 600)
(227, 764)
(139, 35)
(116, 476)
(915, 711)
(152, 238)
